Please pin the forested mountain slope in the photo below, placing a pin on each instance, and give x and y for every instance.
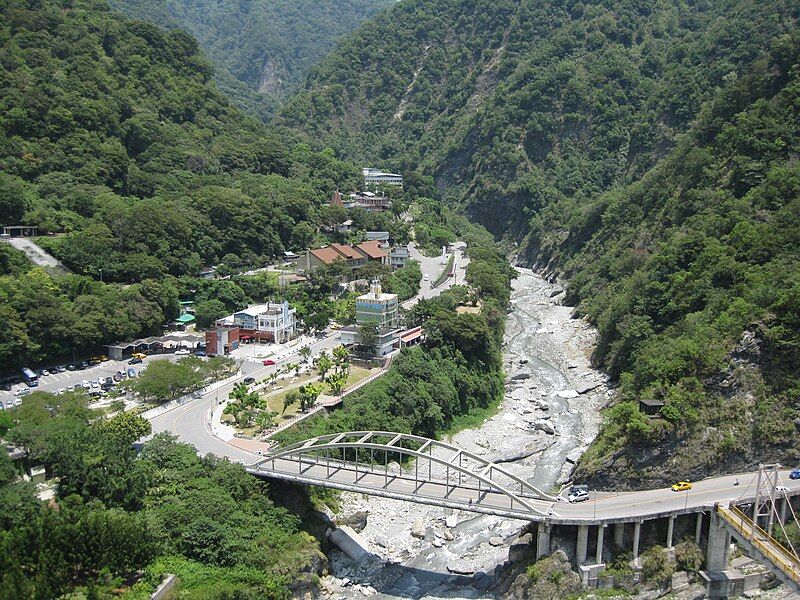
(693, 277)
(647, 151)
(114, 138)
(514, 105)
(262, 49)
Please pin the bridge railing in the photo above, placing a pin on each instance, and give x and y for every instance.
(442, 464)
(774, 551)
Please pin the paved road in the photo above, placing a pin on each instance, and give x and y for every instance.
(192, 421)
(433, 267)
(625, 506)
(37, 255)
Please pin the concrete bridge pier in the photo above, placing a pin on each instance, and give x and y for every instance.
(582, 545)
(670, 530)
(637, 534)
(619, 535)
(543, 540)
(698, 528)
(598, 557)
(719, 542)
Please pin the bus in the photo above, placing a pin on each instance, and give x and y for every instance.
(30, 377)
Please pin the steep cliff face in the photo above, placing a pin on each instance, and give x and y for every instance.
(262, 49)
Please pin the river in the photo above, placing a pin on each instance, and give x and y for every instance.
(540, 429)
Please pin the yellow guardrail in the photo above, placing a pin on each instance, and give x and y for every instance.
(775, 552)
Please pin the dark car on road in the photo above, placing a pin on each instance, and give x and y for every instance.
(134, 361)
(249, 380)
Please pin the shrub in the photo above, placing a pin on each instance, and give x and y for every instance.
(655, 566)
(688, 556)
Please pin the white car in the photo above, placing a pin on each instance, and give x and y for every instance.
(85, 383)
(61, 391)
(45, 372)
(22, 392)
(182, 352)
(578, 496)
(95, 385)
(781, 488)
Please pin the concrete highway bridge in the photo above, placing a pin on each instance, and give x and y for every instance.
(441, 474)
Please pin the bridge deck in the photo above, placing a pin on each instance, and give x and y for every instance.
(403, 486)
(786, 563)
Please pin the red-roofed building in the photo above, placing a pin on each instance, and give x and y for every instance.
(373, 251)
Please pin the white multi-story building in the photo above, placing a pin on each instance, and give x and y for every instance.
(274, 321)
(381, 309)
(373, 177)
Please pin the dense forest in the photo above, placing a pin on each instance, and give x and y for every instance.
(262, 49)
(121, 519)
(643, 151)
(693, 277)
(512, 106)
(115, 142)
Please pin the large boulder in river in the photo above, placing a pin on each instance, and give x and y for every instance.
(459, 566)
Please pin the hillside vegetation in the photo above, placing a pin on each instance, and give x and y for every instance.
(115, 140)
(261, 49)
(646, 152)
(121, 519)
(693, 277)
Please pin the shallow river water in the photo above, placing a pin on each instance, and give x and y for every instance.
(548, 417)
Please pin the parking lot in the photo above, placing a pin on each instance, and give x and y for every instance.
(57, 381)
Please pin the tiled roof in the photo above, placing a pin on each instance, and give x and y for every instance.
(346, 251)
(372, 249)
(327, 255)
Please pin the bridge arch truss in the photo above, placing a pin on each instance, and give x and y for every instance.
(442, 474)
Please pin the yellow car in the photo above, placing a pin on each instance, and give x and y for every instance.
(139, 355)
(681, 486)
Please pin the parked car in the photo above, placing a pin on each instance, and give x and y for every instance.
(249, 380)
(131, 372)
(578, 496)
(268, 362)
(22, 392)
(60, 369)
(139, 355)
(117, 377)
(681, 486)
(200, 353)
(71, 367)
(61, 391)
(782, 489)
(85, 383)
(182, 352)
(83, 365)
(134, 361)
(795, 474)
(6, 385)
(44, 372)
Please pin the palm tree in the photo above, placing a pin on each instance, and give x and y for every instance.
(305, 352)
(324, 364)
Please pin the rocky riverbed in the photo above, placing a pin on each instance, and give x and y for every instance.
(549, 415)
